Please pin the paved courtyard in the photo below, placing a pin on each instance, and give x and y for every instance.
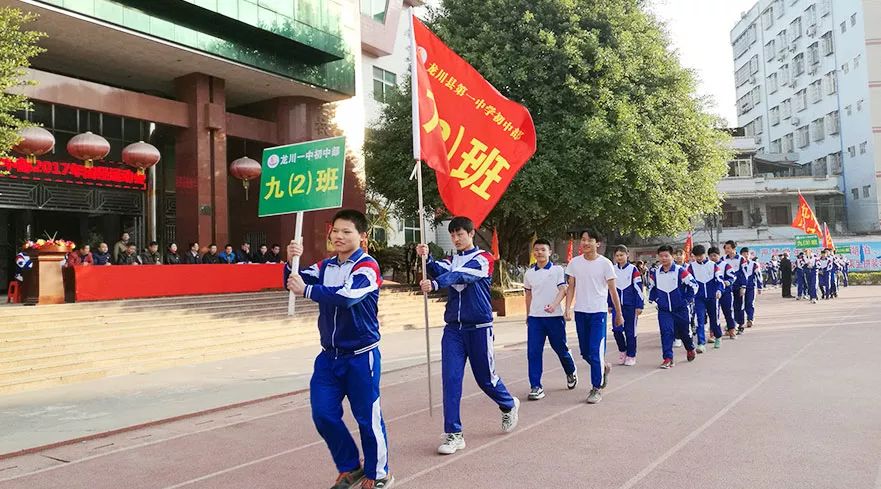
(793, 403)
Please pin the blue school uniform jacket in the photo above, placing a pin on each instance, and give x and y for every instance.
(467, 275)
(673, 289)
(348, 300)
(628, 281)
(709, 277)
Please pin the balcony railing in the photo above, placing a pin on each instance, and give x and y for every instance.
(767, 186)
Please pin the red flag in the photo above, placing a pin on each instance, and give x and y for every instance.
(827, 238)
(569, 251)
(805, 218)
(495, 245)
(689, 244)
(474, 138)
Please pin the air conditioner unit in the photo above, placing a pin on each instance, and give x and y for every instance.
(812, 70)
(795, 121)
(752, 79)
(812, 31)
(781, 57)
(793, 47)
(758, 139)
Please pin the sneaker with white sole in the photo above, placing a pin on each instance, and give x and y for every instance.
(385, 483)
(701, 348)
(606, 370)
(630, 361)
(717, 343)
(452, 443)
(348, 480)
(510, 419)
(621, 357)
(677, 343)
(571, 380)
(594, 396)
(536, 393)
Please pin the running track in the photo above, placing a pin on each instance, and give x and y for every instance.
(794, 403)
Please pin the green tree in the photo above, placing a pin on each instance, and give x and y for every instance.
(624, 144)
(17, 47)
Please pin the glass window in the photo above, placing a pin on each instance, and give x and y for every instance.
(375, 9)
(856, 193)
(111, 126)
(732, 217)
(66, 119)
(866, 190)
(383, 83)
(779, 215)
(41, 114)
(132, 130)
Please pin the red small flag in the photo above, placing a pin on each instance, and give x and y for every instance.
(689, 244)
(805, 219)
(569, 251)
(475, 139)
(495, 245)
(827, 238)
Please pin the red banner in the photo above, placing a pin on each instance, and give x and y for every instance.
(805, 218)
(475, 139)
(689, 244)
(827, 238)
(75, 173)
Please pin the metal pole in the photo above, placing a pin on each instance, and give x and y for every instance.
(425, 294)
(295, 261)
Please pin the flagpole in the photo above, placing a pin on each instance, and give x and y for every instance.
(414, 86)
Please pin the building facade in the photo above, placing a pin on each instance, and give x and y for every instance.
(206, 82)
(806, 72)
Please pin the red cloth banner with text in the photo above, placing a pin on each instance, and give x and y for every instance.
(475, 139)
(827, 238)
(689, 244)
(805, 218)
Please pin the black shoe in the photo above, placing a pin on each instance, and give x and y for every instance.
(378, 483)
(740, 330)
(348, 480)
(606, 371)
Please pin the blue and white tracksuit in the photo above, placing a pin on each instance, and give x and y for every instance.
(349, 365)
(833, 281)
(800, 283)
(468, 335)
(752, 274)
(845, 269)
(544, 285)
(671, 290)
(731, 301)
(711, 284)
(628, 282)
(811, 277)
(823, 275)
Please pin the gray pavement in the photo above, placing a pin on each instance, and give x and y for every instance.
(794, 403)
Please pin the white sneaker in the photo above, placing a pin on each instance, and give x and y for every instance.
(510, 419)
(701, 348)
(536, 394)
(621, 357)
(677, 344)
(452, 443)
(630, 361)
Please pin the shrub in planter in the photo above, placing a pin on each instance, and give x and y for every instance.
(864, 278)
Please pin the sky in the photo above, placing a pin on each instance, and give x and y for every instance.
(700, 31)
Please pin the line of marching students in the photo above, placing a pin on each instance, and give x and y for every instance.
(711, 288)
(817, 277)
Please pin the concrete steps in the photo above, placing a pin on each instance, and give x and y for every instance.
(44, 346)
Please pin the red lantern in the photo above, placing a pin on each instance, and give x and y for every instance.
(88, 147)
(140, 155)
(35, 141)
(245, 169)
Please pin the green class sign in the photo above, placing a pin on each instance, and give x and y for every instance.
(302, 177)
(807, 241)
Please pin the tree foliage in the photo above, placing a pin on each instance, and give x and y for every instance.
(17, 47)
(624, 144)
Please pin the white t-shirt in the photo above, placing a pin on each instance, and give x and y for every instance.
(544, 284)
(591, 282)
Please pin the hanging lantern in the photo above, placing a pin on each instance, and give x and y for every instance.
(245, 169)
(140, 155)
(35, 141)
(88, 147)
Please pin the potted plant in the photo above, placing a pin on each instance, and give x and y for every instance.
(497, 297)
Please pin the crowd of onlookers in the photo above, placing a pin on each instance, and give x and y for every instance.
(125, 252)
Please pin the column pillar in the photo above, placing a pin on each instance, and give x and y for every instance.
(200, 157)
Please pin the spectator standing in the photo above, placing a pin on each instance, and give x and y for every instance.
(171, 256)
(228, 256)
(102, 256)
(129, 256)
(120, 247)
(151, 255)
(79, 258)
(192, 257)
(211, 258)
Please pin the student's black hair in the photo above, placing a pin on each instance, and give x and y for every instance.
(246, 243)
(276, 245)
(698, 250)
(744, 250)
(731, 243)
(262, 245)
(541, 241)
(212, 244)
(461, 223)
(227, 245)
(152, 243)
(593, 233)
(678, 250)
(192, 244)
(354, 216)
(712, 250)
(622, 249)
(667, 248)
